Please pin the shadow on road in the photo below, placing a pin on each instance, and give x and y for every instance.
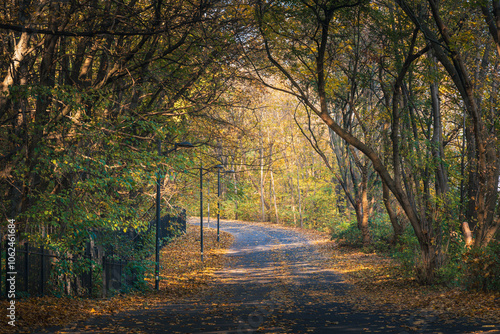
(276, 283)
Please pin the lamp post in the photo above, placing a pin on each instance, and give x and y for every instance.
(208, 203)
(158, 209)
(201, 210)
(201, 206)
(219, 167)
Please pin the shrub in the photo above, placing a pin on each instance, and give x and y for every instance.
(346, 232)
(482, 268)
(406, 250)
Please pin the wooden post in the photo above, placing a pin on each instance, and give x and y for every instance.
(104, 276)
(6, 270)
(42, 274)
(26, 266)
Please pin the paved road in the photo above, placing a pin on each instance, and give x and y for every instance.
(275, 284)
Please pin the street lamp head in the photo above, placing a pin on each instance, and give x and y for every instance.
(184, 144)
(219, 166)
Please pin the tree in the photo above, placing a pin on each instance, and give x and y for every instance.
(85, 99)
(318, 43)
(447, 37)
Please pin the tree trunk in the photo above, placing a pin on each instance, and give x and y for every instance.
(365, 210)
(274, 198)
(393, 217)
(486, 142)
(426, 266)
(320, 106)
(20, 51)
(300, 197)
(442, 187)
(262, 200)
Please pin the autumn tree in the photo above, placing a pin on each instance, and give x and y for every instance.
(310, 72)
(465, 41)
(88, 88)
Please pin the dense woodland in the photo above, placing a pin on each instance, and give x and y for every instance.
(378, 121)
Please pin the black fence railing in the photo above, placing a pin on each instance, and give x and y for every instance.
(38, 271)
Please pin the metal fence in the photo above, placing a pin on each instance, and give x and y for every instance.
(39, 271)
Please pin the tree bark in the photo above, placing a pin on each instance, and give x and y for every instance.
(274, 198)
(20, 51)
(397, 227)
(487, 146)
(262, 200)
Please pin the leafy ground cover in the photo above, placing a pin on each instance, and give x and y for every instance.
(380, 282)
(377, 283)
(183, 273)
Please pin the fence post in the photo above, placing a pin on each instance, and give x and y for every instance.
(90, 273)
(183, 218)
(26, 266)
(104, 276)
(42, 275)
(1, 248)
(168, 226)
(6, 262)
(178, 223)
(121, 272)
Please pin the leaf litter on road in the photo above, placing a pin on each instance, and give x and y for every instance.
(376, 282)
(379, 281)
(182, 274)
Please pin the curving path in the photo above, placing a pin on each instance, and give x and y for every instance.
(274, 284)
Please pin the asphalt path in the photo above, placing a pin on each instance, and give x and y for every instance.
(275, 283)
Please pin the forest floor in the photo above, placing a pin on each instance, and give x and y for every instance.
(374, 284)
(379, 281)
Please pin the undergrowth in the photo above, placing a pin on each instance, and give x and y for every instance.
(460, 266)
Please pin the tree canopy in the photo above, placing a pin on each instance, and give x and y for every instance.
(384, 110)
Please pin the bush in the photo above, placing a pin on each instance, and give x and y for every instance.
(135, 273)
(473, 269)
(346, 232)
(451, 271)
(406, 250)
(482, 268)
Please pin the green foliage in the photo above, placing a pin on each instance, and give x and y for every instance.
(482, 268)
(249, 210)
(79, 159)
(406, 250)
(451, 272)
(381, 232)
(474, 269)
(318, 207)
(135, 273)
(346, 232)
